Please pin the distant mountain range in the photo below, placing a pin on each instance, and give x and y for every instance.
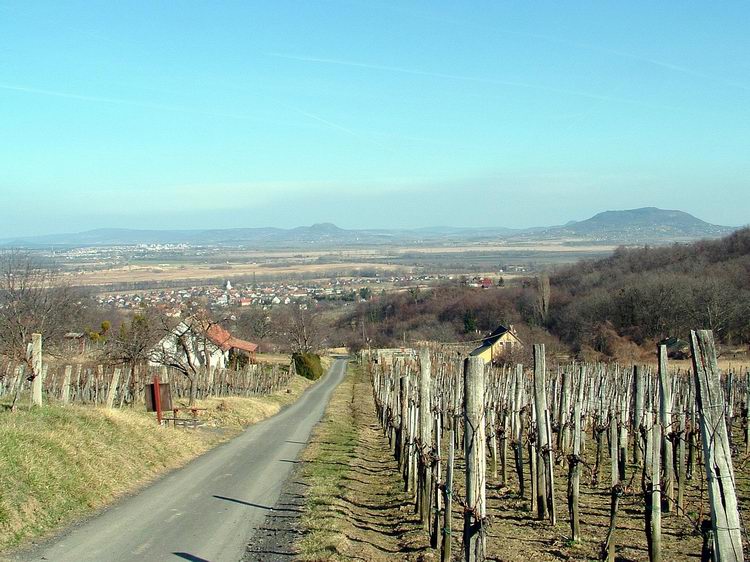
(635, 226)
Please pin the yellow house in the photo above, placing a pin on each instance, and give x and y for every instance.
(499, 342)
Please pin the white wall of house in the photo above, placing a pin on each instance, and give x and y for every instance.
(169, 347)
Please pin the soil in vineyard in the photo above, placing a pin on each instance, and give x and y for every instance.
(515, 534)
(356, 508)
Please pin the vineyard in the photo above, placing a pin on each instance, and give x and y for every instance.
(114, 386)
(579, 461)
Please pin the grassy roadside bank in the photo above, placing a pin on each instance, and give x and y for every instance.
(355, 507)
(58, 464)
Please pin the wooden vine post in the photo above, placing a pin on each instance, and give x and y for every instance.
(36, 369)
(518, 427)
(66, 385)
(545, 466)
(112, 393)
(437, 494)
(504, 429)
(717, 457)
(652, 491)
(493, 431)
(424, 495)
(403, 393)
(574, 476)
(681, 463)
(533, 468)
(445, 549)
(665, 419)
(608, 549)
(639, 383)
(411, 465)
(475, 455)
(622, 451)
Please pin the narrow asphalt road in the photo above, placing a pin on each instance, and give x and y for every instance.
(208, 509)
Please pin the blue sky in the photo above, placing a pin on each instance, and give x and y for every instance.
(369, 114)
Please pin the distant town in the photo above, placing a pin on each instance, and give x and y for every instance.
(177, 301)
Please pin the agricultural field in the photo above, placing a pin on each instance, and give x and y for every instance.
(195, 273)
(202, 264)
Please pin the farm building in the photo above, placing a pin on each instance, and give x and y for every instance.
(196, 341)
(76, 342)
(503, 340)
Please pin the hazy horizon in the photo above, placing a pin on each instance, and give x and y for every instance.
(292, 226)
(368, 115)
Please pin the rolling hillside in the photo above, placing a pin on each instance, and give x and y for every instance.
(642, 225)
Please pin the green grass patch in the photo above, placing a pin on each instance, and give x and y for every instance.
(326, 465)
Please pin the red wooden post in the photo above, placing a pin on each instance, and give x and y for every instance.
(157, 398)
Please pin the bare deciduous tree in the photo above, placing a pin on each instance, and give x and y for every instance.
(256, 323)
(133, 342)
(302, 326)
(33, 299)
(715, 304)
(187, 348)
(543, 296)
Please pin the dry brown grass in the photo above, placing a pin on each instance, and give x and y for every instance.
(320, 263)
(57, 464)
(140, 274)
(740, 365)
(274, 358)
(238, 413)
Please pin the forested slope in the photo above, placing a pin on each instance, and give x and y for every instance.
(651, 293)
(633, 298)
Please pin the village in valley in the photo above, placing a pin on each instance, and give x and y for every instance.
(269, 294)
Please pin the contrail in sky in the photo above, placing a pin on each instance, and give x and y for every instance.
(613, 52)
(338, 127)
(676, 68)
(57, 94)
(122, 101)
(583, 46)
(459, 77)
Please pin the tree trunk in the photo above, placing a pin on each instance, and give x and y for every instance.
(193, 391)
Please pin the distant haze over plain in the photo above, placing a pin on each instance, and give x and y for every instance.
(632, 226)
(386, 209)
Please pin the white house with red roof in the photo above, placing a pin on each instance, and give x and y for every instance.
(200, 342)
